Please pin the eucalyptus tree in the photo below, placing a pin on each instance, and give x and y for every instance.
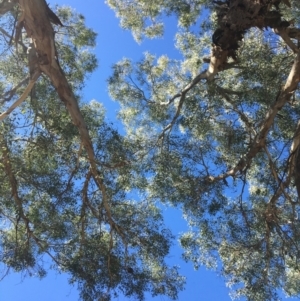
(66, 175)
(218, 132)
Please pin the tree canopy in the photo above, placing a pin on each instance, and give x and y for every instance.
(215, 134)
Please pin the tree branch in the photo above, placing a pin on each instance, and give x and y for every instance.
(294, 168)
(22, 97)
(171, 124)
(36, 21)
(6, 6)
(7, 96)
(281, 185)
(283, 33)
(260, 139)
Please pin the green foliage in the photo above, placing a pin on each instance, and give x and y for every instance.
(145, 18)
(203, 143)
(50, 204)
(243, 222)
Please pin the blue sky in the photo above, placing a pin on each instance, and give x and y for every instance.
(112, 45)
